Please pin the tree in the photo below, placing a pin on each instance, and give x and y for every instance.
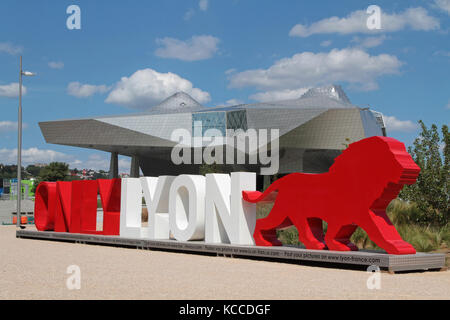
(33, 170)
(430, 192)
(10, 172)
(100, 175)
(55, 171)
(211, 168)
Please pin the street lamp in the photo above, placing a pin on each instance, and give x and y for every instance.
(19, 144)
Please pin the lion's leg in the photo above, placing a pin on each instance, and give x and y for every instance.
(266, 229)
(338, 237)
(316, 226)
(381, 231)
(310, 237)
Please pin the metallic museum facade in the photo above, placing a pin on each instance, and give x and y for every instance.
(313, 130)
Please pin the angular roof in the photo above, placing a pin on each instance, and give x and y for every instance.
(332, 91)
(178, 102)
(328, 97)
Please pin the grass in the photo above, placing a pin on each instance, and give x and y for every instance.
(402, 214)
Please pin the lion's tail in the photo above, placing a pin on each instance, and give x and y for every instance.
(256, 196)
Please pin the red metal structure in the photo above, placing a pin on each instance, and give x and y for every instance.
(361, 183)
(72, 206)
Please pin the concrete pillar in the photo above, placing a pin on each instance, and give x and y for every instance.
(134, 170)
(300, 157)
(114, 166)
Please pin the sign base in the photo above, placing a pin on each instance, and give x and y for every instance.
(393, 263)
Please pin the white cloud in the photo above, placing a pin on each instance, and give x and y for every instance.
(369, 42)
(326, 43)
(356, 22)
(393, 124)
(230, 71)
(9, 48)
(147, 87)
(444, 5)
(309, 69)
(11, 90)
(124, 165)
(203, 5)
(56, 65)
(189, 14)
(442, 53)
(94, 161)
(234, 102)
(97, 162)
(10, 126)
(33, 155)
(7, 126)
(448, 105)
(80, 90)
(277, 95)
(193, 49)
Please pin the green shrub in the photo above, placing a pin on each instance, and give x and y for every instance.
(402, 212)
(289, 236)
(431, 152)
(263, 209)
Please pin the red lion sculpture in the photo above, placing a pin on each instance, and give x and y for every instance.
(361, 183)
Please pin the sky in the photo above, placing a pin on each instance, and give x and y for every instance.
(123, 57)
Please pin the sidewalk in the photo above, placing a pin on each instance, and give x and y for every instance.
(32, 269)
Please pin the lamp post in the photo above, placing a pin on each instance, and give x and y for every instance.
(19, 144)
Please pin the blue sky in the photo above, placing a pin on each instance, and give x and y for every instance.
(129, 55)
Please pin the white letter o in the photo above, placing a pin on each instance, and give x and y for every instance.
(187, 208)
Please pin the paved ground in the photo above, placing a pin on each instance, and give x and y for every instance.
(33, 269)
(9, 206)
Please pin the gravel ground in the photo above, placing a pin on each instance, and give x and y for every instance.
(34, 269)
